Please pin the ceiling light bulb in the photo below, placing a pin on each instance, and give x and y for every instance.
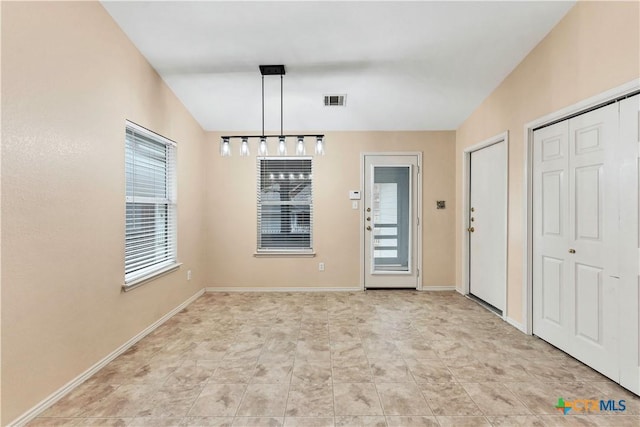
(319, 146)
(282, 147)
(225, 150)
(300, 150)
(263, 147)
(244, 147)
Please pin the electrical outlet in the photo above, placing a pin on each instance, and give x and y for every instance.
(189, 275)
(321, 266)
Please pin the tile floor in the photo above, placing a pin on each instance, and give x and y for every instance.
(375, 358)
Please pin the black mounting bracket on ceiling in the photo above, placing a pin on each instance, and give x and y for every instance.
(272, 70)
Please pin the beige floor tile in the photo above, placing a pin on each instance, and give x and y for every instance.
(413, 421)
(449, 399)
(568, 421)
(128, 400)
(402, 399)
(313, 350)
(416, 349)
(207, 422)
(351, 371)
(310, 400)
(347, 350)
(218, 400)
(278, 371)
(449, 421)
(311, 372)
(257, 422)
(54, 422)
(308, 422)
(516, 421)
(155, 422)
(264, 400)
(495, 399)
(361, 421)
(105, 422)
(173, 401)
(388, 371)
(429, 371)
(541, 398)
(193, 372)
(73, 404)
(356, 399)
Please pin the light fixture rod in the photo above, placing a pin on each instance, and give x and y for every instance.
(281, 105)
(275, 136)
(263, 105)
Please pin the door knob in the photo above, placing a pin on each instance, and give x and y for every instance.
(471, 229)
(368, 218)
(368, 209)
(368, 228)
(572, 251)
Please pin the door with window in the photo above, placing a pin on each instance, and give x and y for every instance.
(391, 221)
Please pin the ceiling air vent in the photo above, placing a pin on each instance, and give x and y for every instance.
(334, 100)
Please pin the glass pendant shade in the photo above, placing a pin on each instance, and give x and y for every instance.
(225, 149)
(282, 146)
(319, 146)
(262, 149)
(300, 150)
(244, 147)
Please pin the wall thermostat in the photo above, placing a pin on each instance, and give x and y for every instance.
(440, 204)
(354, 195)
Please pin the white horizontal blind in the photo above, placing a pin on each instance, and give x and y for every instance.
(150, 236)
(285, 204)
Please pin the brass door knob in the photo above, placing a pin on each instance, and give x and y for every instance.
(572, 251)
(368, 228)
(471, 229)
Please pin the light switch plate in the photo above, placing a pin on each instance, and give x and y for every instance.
(354, 195)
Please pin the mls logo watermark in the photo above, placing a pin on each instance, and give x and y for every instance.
(590, 405)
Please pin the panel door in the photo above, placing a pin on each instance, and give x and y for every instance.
(551, 290)
(391, 221)
(629, 253)
(488, 225)
(593, 237)
(575, 228)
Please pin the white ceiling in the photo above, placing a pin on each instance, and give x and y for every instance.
(403, 65)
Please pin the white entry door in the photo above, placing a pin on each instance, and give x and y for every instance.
(488, 225)
(575, 229)
(391, 221)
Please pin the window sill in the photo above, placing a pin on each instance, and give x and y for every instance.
(284, 254)
(152, 276)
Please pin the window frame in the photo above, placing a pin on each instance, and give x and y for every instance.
(168, 204)
(262, 251)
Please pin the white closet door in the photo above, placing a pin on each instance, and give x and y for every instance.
(551, 229)
(575, 237)
(593, 219)
(629, 243)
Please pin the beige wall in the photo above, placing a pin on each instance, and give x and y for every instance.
(231, 219)
(70, 78)
(594, 48)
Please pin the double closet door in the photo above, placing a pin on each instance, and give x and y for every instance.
(585, 216)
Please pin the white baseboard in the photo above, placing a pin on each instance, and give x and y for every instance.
(67, 388)
(438, 288)
(282, 289)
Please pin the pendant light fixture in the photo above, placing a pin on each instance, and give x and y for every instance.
(225, 143)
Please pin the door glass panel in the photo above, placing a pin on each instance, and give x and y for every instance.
(391, 212)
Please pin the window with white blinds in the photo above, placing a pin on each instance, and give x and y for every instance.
(285, 204)
(150, 236)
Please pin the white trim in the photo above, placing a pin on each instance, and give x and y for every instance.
(71, 385)
(281, 289)
(151, 276)
(418, 262)
(438, 288)
(466, 164)
(284, 254)
(527, 295)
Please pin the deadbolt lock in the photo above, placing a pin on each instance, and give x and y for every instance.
(368, 209)
(368, 228)
(473, 209)
(368, 218)
(572, 251)
(471, 229)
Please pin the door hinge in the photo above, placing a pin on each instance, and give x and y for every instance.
(418, 221)
(418, 272)
(418, 169)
